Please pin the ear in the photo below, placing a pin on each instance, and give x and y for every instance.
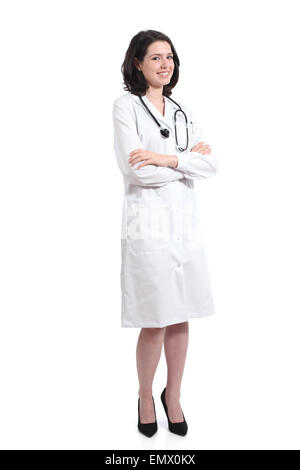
(136, 63)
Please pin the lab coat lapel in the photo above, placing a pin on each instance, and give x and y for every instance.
(167, 118)
(169, 110)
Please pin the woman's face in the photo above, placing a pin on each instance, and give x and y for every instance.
(158, 59)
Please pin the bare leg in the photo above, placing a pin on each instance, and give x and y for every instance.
(148, 352)
(175, 345)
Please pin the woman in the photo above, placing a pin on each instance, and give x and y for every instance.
(164, 275)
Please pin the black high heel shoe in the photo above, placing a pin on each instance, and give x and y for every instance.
(177, 428)
(148, 429)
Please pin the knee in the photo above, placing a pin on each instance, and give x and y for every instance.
(154, 334)
(183, 326)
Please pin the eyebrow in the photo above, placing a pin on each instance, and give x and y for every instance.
(170, 53)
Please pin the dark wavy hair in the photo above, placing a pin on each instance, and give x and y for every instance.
(133, 78)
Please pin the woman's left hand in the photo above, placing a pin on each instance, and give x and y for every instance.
(151, 158)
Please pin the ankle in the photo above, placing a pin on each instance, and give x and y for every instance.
(172, 395)
(145, 394)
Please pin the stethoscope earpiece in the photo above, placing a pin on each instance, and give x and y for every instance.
(165, 132)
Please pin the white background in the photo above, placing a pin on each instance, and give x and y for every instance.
(68, 371)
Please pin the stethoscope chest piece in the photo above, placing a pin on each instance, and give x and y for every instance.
(165, 133)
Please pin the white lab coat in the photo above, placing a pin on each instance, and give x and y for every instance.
(164, 273)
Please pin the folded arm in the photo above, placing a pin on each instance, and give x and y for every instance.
(126, 139)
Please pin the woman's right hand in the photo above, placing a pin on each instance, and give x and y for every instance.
(202, 148)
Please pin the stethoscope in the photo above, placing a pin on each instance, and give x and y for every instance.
(165, 132)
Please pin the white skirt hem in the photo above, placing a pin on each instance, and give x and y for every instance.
(126, 324)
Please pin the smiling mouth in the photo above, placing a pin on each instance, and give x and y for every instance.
(164, 74)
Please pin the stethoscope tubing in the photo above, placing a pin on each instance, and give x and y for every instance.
(165, 132)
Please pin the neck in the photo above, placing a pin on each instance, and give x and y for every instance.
(155, 94)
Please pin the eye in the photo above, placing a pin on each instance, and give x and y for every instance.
(170, 56)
